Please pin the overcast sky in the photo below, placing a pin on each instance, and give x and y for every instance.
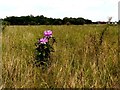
(95, 10)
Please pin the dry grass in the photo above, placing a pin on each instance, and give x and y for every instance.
(78, 61)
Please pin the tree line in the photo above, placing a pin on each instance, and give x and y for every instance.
(42, 20)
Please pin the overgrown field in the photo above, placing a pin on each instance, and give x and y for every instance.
(85, 57)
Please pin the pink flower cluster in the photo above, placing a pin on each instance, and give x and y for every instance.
(47, 35)
(43, 40)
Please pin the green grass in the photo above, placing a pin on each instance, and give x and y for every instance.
(78, 61)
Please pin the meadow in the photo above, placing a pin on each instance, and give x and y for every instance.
(86, 56)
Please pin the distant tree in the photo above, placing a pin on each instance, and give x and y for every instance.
(80, 21)
(41, 20)
(57, 22)
(71, 20)
(88, 21)
(65, 20)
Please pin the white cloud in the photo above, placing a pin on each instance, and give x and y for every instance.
(91, 9)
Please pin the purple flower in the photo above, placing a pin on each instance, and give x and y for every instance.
(48, 33)
(43, 40)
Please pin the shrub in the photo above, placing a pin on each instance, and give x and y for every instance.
(44, 47)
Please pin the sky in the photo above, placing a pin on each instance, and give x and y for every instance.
(95, 10)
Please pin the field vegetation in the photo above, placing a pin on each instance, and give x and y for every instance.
(86, 56)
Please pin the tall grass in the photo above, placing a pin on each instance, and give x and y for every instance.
(0, 53)
(78, 61)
